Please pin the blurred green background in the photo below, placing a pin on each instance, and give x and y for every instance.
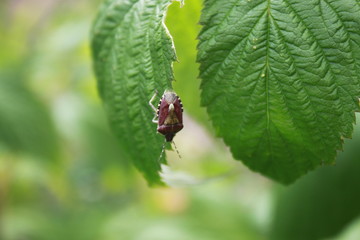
(62, 175)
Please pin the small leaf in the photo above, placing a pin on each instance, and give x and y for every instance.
(280, 80)
(25, 123)
(133, 54)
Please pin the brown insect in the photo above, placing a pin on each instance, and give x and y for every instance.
(168, 116)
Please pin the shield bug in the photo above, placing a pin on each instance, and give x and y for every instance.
(168, 114)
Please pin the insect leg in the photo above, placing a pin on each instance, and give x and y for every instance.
(152, 99)
(162, 151)
(177, 151)
(154, 120)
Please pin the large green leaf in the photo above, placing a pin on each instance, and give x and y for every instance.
(25, 123)
(280, 80)
(133, 54)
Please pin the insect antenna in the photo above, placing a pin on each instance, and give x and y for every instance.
(177, 151)
(162, 151)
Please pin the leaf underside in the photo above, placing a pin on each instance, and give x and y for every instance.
(280, 80)
(133, 55)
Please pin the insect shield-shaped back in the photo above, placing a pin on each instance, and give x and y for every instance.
(170, 115)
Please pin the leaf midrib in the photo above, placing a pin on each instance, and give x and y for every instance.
(267, 72)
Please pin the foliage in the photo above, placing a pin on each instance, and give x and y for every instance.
(280, 80)
(129, 76)
(280, 90)
(91, 191)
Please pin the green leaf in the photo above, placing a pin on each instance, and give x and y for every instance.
(133, 54)
(280, 80)
(25, 123)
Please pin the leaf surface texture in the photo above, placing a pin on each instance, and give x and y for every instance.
(133, 54)
(280, 80)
